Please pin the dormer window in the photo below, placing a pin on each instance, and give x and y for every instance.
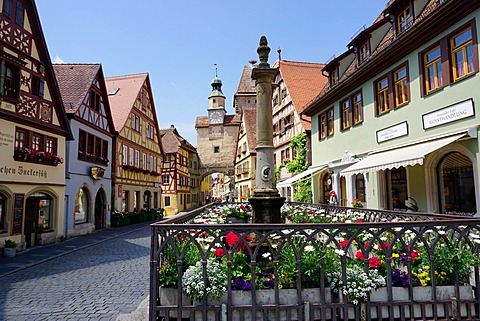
(363, 53)
(404, 20)
(333, 77)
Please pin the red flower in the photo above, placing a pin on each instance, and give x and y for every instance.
(359, 255)
(366, 245)
(385, 244)
(343, 243)
(415, 254)
(231, 238)
(359, 220)
(219, 252)
(374, 262)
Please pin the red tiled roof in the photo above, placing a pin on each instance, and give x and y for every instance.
(250, 122)
(230, 120)
(74, 82)
(245, 84)
(122, 102)
(304, 82)
(172, 141)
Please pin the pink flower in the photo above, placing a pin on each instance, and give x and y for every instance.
(219, 252)
(343, 243)
(359, 255)
(374, 262)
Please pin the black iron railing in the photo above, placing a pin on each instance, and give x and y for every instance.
(374, 265)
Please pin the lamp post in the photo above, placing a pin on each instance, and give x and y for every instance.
(266, 202)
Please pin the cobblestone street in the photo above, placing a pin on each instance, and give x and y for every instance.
(105, 280)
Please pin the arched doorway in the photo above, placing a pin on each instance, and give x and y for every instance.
(456, 184)
(147, 196)
(327, 186)
(100, 208)
(38, 216)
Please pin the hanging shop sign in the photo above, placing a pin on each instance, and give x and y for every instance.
(97, 172)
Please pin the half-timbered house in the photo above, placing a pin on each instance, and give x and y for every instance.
(245, 158)
(33, 131)
(180, 172)
(88, 170)
(138, 148)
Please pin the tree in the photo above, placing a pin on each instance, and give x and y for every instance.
(303, 190)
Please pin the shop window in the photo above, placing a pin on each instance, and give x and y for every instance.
(397, 187)
(125, 200)
(43, 203)
(360, 187)
(81, 206)
(457, 184)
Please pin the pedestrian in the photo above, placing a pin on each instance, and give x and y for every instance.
(333, 198)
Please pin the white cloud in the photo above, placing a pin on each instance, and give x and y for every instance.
(58, 60)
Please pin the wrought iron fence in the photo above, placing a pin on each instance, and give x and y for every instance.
(363, 265)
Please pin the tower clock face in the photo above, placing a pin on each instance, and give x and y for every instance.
(215, 117)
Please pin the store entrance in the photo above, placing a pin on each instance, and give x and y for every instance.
(37, 217)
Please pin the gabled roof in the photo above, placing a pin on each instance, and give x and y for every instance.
(304, 81)
(172, 141)
(230, 120)
(123, 100)
(250, 123)
(74, 82)
(44, 55)
(245, 84)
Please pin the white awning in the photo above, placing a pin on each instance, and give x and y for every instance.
(405, 156)
(296, 178)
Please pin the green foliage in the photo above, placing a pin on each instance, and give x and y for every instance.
(299, 163)
(241, 266)
(168, 275)
(303, 192)
(278, 169)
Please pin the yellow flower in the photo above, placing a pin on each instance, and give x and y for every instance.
(395, 255)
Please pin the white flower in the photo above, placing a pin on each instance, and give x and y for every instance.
(340, 252)
(266, 255)
(309, 248)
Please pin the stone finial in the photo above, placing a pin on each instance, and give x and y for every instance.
(263, 50)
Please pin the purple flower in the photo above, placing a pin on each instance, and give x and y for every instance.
(400, 278)
(241, 285)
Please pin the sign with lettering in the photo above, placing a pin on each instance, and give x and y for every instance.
(392, 132)
(448, 114)
(17, 223)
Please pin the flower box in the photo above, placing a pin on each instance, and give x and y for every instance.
(169, 297)
(242, 302)
(9, 252)
(379, 300)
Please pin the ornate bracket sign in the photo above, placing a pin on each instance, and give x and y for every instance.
(97, 172)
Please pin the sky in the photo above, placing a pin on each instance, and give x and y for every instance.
(178, 42)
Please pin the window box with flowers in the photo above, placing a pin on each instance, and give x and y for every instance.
(92, 158)
(34, 156)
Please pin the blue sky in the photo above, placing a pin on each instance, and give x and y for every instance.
(178, 41)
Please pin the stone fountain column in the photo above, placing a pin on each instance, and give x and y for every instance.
(266, 202)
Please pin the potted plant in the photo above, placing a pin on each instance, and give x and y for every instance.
(10, 248)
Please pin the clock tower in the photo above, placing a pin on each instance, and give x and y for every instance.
(216, 103)
(217, 133)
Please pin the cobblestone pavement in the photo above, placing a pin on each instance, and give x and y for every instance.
(103, 276)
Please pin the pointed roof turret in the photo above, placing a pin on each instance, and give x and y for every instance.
(216, 86)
